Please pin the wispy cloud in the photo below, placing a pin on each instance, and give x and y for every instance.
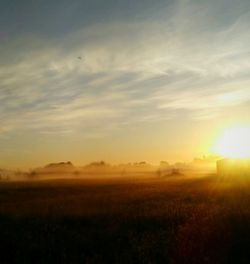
(150, 69)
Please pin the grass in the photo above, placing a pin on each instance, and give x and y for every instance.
(142, 220)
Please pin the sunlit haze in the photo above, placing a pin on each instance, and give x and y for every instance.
(125, 131)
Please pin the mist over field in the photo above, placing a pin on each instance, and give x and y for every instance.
(128, 213)
(68, 170)
(142, 218)
(124, 131)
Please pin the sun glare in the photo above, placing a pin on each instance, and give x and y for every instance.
(234, 143)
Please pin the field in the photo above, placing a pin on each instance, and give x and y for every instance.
(130, 220)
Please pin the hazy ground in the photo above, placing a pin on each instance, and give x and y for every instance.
(127, 220)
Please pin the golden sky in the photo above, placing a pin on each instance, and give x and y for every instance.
(120, 80)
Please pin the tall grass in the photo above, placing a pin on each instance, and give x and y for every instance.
(199, 220)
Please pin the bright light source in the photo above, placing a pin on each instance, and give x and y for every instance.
(234, 143)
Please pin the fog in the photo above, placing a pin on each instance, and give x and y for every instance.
(102, 169)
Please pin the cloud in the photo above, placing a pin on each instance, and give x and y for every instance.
(178, 64)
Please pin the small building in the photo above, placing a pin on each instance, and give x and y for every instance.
(233, 167)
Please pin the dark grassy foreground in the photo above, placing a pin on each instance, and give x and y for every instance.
(204, 220)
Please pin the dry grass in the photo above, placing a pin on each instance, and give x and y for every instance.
(148, 220)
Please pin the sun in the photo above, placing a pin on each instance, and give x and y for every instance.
(234, 143)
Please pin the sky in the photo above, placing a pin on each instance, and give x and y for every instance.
(120, 81)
